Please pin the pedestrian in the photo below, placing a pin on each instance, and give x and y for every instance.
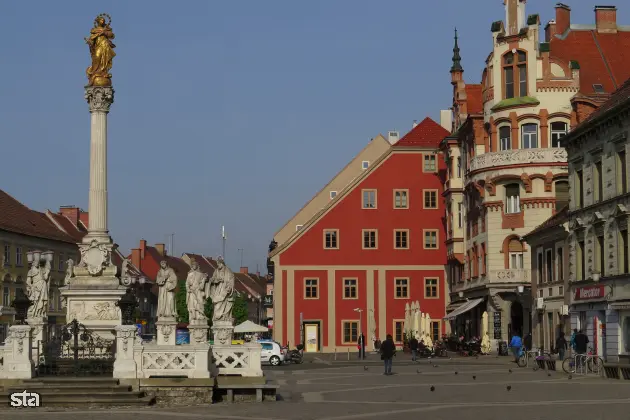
(572, 342)
(527, 342)
(516, 344)
(388, 351)
(561, 345)
(361, 346)
(413, 346)
(581, 342)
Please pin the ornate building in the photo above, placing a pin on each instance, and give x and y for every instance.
(599, 219)
(507, 169)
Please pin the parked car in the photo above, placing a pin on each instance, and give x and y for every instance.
(272, 353)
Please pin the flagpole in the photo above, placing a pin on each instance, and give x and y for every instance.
(223, 238)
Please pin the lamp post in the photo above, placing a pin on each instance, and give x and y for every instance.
(21, 303)
(361, 341)
(127, 305)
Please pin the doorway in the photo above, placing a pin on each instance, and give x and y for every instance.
(312, 334)
(516, 318)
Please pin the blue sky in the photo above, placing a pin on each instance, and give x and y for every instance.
(227, 112)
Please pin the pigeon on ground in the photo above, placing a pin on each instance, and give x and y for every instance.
(570, 376)
(417, 370)
(548, 374)
(455, 372)
(474, 378)
(365, 368)
(510, 370)
(509, 387)
(535, 368)
(432, 388)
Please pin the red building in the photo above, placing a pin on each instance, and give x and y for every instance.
(376, 246)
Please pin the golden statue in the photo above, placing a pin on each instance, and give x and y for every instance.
(101, 50)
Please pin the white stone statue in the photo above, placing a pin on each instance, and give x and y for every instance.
(196, 293)
(167, 282)
(69, 271)
(221, 290)
(37, 282)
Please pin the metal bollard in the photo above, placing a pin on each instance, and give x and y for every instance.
(335, 349)
(348, 354)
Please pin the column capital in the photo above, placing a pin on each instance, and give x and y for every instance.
(99, 98)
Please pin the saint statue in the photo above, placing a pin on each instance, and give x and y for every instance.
(195, 292)
(221, 290)
(69, 271)
(37, 281)
(167, 282)
(101, 51)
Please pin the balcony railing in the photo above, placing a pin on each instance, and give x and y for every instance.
(518, 156)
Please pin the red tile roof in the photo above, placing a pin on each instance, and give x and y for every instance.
(474, 99)
(426, 134)
(596, 53)
(16, 217)
(117, 260)
(77, 232)
(177, 264)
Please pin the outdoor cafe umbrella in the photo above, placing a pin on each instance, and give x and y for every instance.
(249, 327)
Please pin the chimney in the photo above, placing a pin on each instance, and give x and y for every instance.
(393, 137)
(415, 124)
(446, 119)
(160, 248)
(550, 30)
(244, 270)
(606, 19)
(135, 258)
(514, 15)
(143, 247)
(563, 18)
(72, 213)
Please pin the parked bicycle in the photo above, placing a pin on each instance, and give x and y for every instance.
(584, 363)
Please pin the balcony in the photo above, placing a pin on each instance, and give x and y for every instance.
(518, 157)
(516, 276)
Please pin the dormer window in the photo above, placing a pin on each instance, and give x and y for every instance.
(515, 74)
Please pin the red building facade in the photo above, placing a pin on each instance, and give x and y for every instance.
(375, 247)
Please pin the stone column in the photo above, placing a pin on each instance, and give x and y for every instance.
(125, 364)
(166, 331)
(18, 350)
(39, 330)
(99, 99)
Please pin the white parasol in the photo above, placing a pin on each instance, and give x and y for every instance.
(428, 340)
(407, 326)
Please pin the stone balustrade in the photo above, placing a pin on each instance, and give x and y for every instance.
(191, 361)
(243, 360)
(518, 156)
(509, 276)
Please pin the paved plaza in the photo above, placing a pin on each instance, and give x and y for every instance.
(349, 391)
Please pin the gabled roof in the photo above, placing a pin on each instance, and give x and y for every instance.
(474, 99)
(427, 134)
(378, 138)
(17, 218)
(77, 232)
(117, 260)
(206, 264)
(602, 58)
(177, 264)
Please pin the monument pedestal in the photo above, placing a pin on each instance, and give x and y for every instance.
(125, 366)
(166, 331)
(91, 300)
(223, 331)
(18, 353)
(198, 332)
(39, 333)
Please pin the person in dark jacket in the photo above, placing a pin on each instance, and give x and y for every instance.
(561, 345)
(361, 346)
(388, 351)
(527, 342)
(413, 346)
(581, 342)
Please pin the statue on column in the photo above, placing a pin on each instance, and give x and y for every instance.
(221, 290)
(37, 281)
(101, 51)
(167, 282)
(69, 271)
(196, 293)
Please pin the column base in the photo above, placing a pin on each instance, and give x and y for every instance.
(198, 332)
(223, 331)
(39, 333)
(166, 331)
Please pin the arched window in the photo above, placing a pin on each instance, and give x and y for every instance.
(515, 74)
(512, 198)
(559, 129)
(505, 137)
(529, 136)
(515, 249)
(562, 194)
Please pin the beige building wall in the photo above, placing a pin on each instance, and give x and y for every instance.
(374, 150)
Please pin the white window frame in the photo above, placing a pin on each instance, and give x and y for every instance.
(505, 143)
(558, 133)
(332, 194)
(460, 215)
(516, 260)
(513, 202)
(365, 164)
(298, 227)
(528, 138)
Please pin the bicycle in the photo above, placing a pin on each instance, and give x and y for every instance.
(526, 355)
(583, 363)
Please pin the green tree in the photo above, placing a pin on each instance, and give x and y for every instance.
(240, 311)
(208, 309)
(180, 303)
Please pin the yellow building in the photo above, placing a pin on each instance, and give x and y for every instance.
(23, 230)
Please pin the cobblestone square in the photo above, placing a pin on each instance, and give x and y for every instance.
(461, 388)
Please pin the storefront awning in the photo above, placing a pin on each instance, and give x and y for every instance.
(464, 308)
(453, 306)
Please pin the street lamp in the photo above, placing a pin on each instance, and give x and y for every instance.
(520, 289)
(127, 305)
(21, 303)
(596, 276)
(362, 344)
(460, 294)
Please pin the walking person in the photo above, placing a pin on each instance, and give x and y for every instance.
(561, 345)
(581, 342)
(516, 344)
(572, 342)
(413, 345)
(361, 346)
(388, 351)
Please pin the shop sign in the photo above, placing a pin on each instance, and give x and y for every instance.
(268, 301)
(497, 325)
(589, 292)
